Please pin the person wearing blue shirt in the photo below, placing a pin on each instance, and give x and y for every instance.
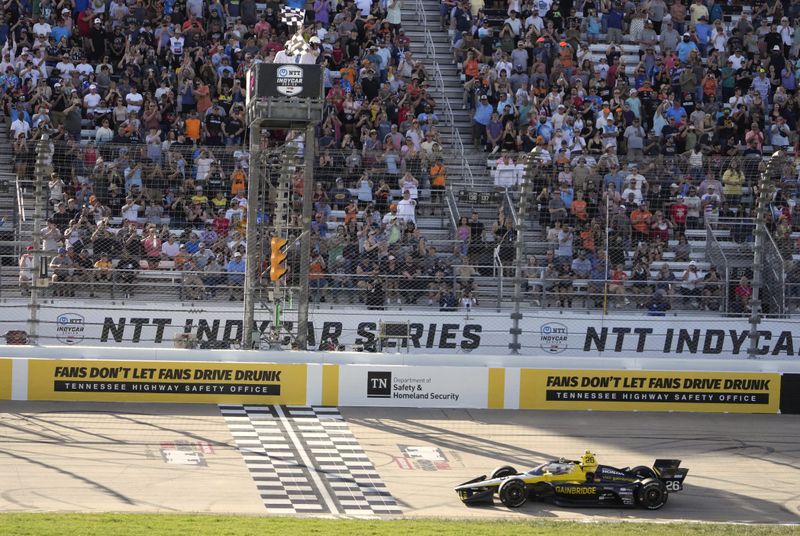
(235, 268)
(15, 113)
(567, 195)
(57, 32)
(703, 31)
(192, 244)
(502, 103)
(613, 20)
(594, 99)
(613, 177)
(480, 120)
(635, 103)
(544, 129)
(676, 112)
(685, 47)
(714, 11)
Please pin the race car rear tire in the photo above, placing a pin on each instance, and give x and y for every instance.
(644, 471)
(652, 494)
(513, 493)
(503, 471)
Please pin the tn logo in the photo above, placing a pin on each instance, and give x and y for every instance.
(379, 384)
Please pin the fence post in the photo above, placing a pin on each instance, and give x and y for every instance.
(39, 259)
(766, 188)
(525, 191)
(251, 237)
(305, 243)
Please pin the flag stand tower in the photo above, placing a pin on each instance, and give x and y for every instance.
(285, 97)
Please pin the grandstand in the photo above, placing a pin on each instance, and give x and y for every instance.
(591, 99)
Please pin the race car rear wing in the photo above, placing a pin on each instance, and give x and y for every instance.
(671, 473)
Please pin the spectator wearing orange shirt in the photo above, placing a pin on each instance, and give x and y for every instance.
(349, 72)
(578, 208)
(351, 212)
(640, 222)
(193, 127)
(709, 86)
(472, 64)
(238, 181)
(565, 54)
(182, 257)
(438, 174)
(102, 271)
(316, 277)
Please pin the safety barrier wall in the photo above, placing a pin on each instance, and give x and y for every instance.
(383, 381)
(480, 332)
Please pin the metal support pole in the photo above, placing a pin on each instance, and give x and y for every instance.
(253, 245)
(305, 243)
(765, 190)
(40, 179)
(525, 191)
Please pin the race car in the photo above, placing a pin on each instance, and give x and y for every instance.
(578, 483)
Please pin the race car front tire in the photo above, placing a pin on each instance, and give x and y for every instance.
(503, 471)
(652, 494)
(513, 493)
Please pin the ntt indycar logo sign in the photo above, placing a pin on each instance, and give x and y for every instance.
(446, 333)
(553, 337)
(289, 80)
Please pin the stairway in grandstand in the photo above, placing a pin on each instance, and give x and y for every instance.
(7, 178)
(421, 17)
(8, 218)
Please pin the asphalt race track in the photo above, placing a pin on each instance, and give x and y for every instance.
(94, 457)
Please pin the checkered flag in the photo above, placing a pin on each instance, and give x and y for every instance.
(296, 45)
(293, 16)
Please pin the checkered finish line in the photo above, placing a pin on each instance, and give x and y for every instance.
(305, 460)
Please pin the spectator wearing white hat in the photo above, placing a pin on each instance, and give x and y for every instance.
(91, 100)
(406, 207)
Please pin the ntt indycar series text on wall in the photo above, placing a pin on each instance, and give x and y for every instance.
(485, 333)
(578, 483)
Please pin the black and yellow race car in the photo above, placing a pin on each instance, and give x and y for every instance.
(578, 483)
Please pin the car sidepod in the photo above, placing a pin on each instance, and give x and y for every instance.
(594, 494)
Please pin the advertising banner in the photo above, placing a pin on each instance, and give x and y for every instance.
(5, 379)
(650, 391)
(413, 387)
(478, 333)
(155, 381)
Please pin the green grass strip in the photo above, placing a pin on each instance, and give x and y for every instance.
(28, 524)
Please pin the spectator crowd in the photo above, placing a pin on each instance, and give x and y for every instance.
(142, 103)
(647, 118)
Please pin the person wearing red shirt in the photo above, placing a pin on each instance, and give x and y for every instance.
(678, 213)
(221, 223)
(743, 292)
(616, 286)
